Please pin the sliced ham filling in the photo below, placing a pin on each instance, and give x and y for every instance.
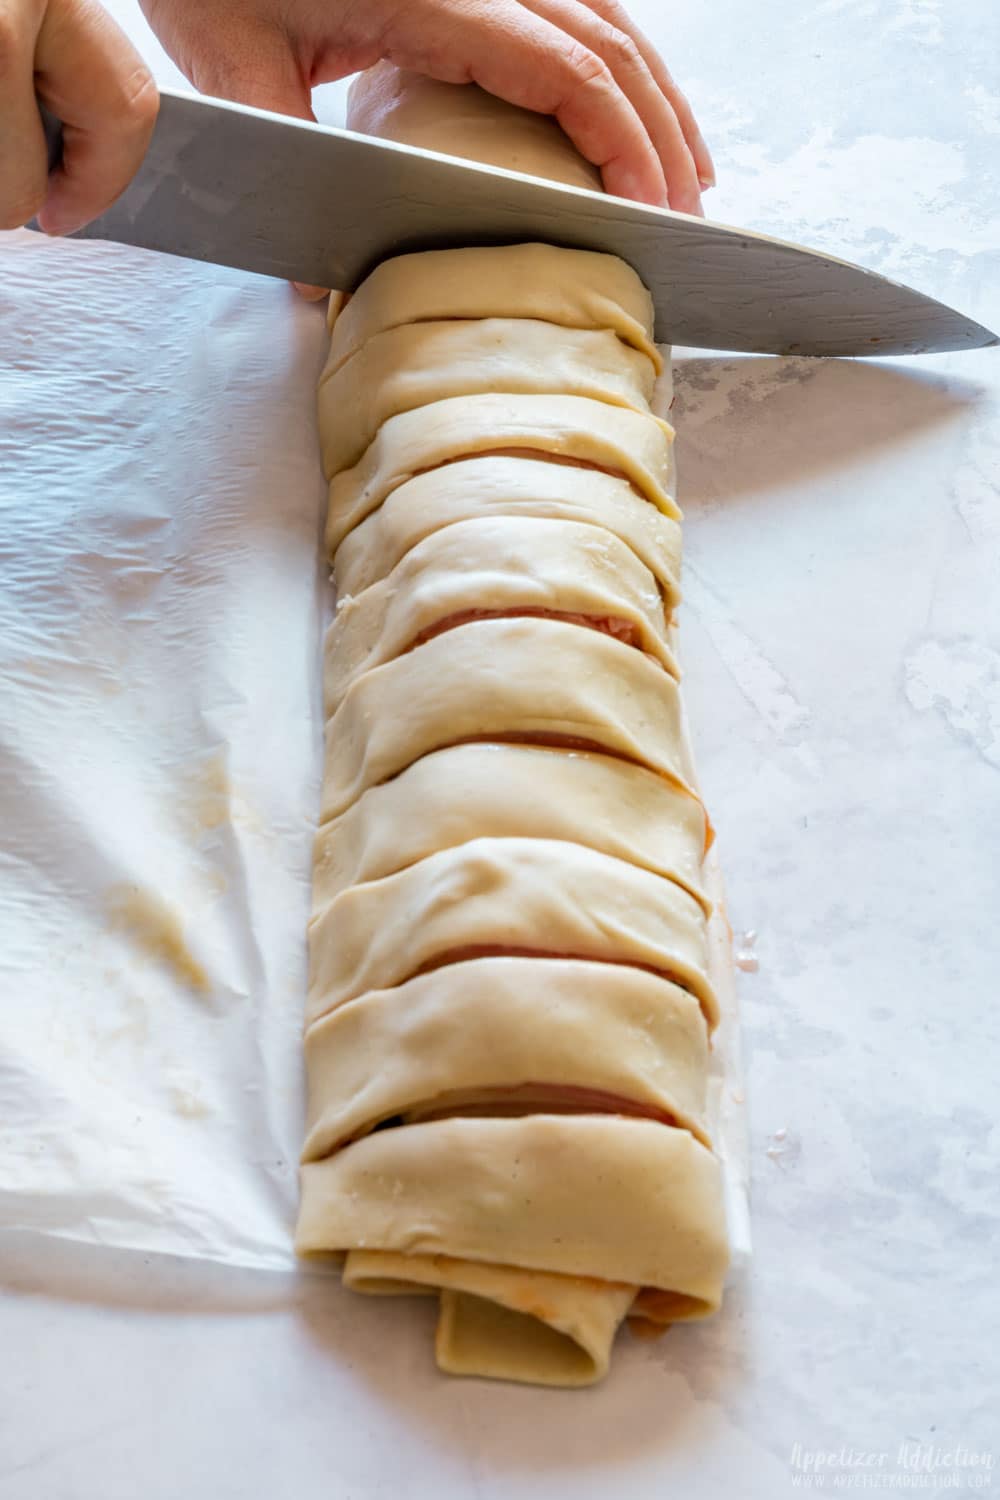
(534, 1099)
(620, 630)
(543, 454)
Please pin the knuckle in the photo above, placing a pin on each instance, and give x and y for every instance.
(584, 66)
(138, 100)
(622, 50)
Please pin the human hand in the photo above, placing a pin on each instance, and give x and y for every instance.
(584, 63)
(71, 56)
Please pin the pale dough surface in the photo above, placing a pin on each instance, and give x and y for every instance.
(419, 363)
(634, 444)
(496, 564)
(525, 488)
(513, 791)
(628, 1201)
(535, 895)
(463, 120)
(515, 678)
(570, 288)
(465, 1033)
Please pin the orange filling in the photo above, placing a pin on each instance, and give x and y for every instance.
(620, 630)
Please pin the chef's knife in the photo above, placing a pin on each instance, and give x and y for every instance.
(225, 183)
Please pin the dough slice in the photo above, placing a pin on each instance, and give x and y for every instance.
(528, 896)
(501, 567)
(419, 363)
(626, 1201)
(503, 1323)
(499, 1034)
(463, 120)
(525, 488)
(522, 680)
(514, 791)
(570, 288)
(628, 442)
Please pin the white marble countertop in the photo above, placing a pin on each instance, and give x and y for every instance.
(842, 645)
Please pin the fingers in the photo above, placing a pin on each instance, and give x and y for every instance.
(616, 15)
(91, 77)
(621, 52)
(23, 158)
(249, 62)
(524, 58)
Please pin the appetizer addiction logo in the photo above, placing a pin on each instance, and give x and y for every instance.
(908, 1467)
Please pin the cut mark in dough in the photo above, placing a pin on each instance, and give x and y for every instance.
(537, 1098)
(501, 950)
(539, 455)
(569, 742)
(620, 630)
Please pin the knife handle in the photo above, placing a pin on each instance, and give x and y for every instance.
(53, 135)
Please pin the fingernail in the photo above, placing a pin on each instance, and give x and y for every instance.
(311, 293)
(706, 183)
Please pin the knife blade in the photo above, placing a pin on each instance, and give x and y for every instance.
(305, 202)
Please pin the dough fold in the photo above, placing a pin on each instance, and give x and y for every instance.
(631, 443)
(524, 489)
(416, 364)
(514, 679)
(498, 566)
(506, 895)
(626, 1201)
(507, 1034)
(569, 288)
(514, 791)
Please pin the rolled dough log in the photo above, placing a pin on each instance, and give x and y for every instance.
(486, 429)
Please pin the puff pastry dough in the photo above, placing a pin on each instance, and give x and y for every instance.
(492, 567)
(513, 791)
(524, 488)
(494, 679)
(511, 994)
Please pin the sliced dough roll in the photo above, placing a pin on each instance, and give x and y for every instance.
(627, 1201)
(507, 1034)
(419, 363)
(504, 679)
(522, 896)
(571, 288)
(525, 488)
(514, 791)
(631, 443)
(460, 119)
(497, 566)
